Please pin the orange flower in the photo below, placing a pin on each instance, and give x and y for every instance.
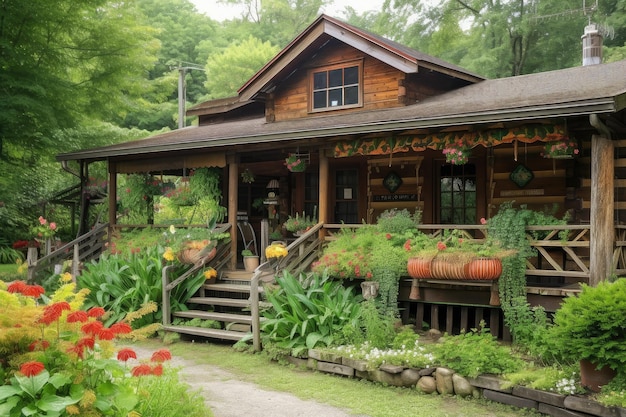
(106, 334)
(126, 354)
(121, 328)
(95, 312)
(161, 355)
(141, 370)
(16, 286)
(32, 368)
(77, 317)
(88, 342)
(33, 291)
(157, 370)
(92, 328)
(39, 345)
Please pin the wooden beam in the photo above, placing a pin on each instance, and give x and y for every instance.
(233, 183)
(112, 195)
(601, 216)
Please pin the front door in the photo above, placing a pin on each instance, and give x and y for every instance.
(346, 196)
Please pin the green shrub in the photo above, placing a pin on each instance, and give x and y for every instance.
(476, 352)
(308, 312)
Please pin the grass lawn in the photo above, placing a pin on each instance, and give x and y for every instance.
(358, 396)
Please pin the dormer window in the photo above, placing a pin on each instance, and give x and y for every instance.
(336, 87)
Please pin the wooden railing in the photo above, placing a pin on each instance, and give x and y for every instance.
(82, 249)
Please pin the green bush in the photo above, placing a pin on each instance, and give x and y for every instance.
(308, 312)
(476, 352)
(592, 326)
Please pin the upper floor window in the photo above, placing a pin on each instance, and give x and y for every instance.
(338, 86)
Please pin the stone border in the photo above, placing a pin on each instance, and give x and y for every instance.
(446, 382)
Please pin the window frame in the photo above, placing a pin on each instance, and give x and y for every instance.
(327, 68)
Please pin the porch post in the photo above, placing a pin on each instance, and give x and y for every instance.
(233, 180)
(323, 189)
(602, 209)
(112, 196)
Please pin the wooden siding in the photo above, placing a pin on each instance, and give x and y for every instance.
(380, 85)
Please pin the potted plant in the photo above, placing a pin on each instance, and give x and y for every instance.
(300, 224)
(250, 260)
(561, 149)
(590, 328)
(457, 153)
(295, 163)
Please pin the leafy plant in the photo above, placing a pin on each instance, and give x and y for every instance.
(476, 352)
(309, 311)
(592, 325)
(563, 380)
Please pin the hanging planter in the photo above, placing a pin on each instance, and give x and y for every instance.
(295, 162)
(457, 152)
(565, 148)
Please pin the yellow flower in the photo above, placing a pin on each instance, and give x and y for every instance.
(210, 273)
(169, 255)
(66, 277)
(72, 410)
(276, 250)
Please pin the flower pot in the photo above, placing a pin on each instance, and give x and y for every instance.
(443, 269)
(419, 267)
(250, 263)
(370, 289)
(484, 269)
(195, 256)
(593, 378)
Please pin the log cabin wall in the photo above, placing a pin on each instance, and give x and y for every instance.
(547, 190)
(383, 86)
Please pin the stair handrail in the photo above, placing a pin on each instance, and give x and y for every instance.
(84, 248)
(220, 259)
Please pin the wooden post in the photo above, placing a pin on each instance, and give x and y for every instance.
(602, 209)
(112, 198)
(323, 192)
(233, 181)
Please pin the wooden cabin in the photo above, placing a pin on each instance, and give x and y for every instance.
(370, 118)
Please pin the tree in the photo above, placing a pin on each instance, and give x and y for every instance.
(242, 60)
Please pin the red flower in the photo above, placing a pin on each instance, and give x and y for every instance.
(33, 291)
(77, 317)
(441, 246)
(39, 345)
(126, 354)
(407, 245)
(161, 355)
(157, 370)
(95, 312)
(121, 328)
(92, 328)
(77, 349)
(86, 342)
(32, 368)
(106, 334)
(52, 312)
(16, 286)
(141, 370)
(388, 236)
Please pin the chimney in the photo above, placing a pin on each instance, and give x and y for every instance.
(592, 45)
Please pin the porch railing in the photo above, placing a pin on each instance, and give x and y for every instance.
(84, 248)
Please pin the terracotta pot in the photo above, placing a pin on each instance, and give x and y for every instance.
(193, 256)
(419, 267)
(250, 263)
(593, 378)
(484, 269)
(443, 269)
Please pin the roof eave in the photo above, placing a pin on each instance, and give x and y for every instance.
(597, 106)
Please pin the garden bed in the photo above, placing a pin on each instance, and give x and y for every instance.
(445, 381)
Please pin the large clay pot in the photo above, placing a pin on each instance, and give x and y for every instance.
(484, 269)
(593, 378)
(443, 269)
(419, 267)
(250, 263)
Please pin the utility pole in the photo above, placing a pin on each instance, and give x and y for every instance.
(182, 90)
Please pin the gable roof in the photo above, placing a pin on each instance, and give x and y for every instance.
(317, 35)
(595, 89)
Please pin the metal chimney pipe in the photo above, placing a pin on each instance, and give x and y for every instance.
(592, 45)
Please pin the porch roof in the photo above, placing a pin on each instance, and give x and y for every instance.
(598, 89)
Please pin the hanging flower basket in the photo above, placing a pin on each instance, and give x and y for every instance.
(295, 163)
(457, 153)
(565, 148)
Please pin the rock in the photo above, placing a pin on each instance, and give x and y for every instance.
(427, 371)
(444, 381)
(427, 384)
(409, 377)
(462, 387)
(434, 334)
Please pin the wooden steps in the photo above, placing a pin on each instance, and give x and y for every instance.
(225, 301)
